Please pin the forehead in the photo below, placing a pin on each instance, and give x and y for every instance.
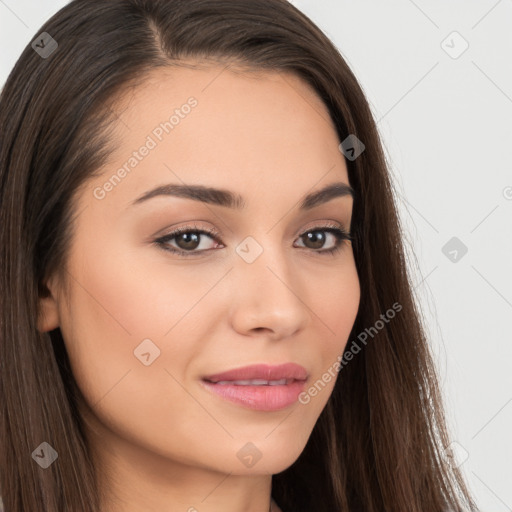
(246, 129)
(218, 83)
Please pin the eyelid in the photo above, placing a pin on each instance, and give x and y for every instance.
(319, 225)
(214, 233)
(191, 227)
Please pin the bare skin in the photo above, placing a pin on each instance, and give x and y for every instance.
(162, 441)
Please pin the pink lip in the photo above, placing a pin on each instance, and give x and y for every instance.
(263, 397)
(262, 371)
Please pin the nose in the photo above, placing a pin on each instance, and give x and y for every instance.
(268, 296)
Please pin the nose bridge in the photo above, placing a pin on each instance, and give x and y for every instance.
(262, 260)
(267, 294)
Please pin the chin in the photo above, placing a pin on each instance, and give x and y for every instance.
(265, 460)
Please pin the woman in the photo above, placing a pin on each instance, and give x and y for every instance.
(205, 298)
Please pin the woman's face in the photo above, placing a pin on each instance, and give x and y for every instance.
(143, 325)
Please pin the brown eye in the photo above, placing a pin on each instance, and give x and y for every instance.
(186, 240)
(316, 238)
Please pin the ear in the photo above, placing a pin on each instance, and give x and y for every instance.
(48, 317)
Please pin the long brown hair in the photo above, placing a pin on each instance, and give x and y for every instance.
(379, 444)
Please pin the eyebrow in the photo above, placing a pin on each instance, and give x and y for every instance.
(228, 199)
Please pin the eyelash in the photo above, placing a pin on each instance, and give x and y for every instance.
(162, 242)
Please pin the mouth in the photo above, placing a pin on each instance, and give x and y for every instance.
(254, 382)
(259, 387)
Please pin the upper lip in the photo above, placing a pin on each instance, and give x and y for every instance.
(289, 371)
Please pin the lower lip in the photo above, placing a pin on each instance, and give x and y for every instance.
(261, 398)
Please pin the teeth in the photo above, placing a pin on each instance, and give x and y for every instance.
(281, 382)
(254, 382)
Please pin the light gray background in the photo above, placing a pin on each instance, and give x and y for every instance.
(445, 122)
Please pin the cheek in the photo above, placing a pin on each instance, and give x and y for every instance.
(336, 310)
(106, 302)
(338, 306)
(126, 292)
(143, 403)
